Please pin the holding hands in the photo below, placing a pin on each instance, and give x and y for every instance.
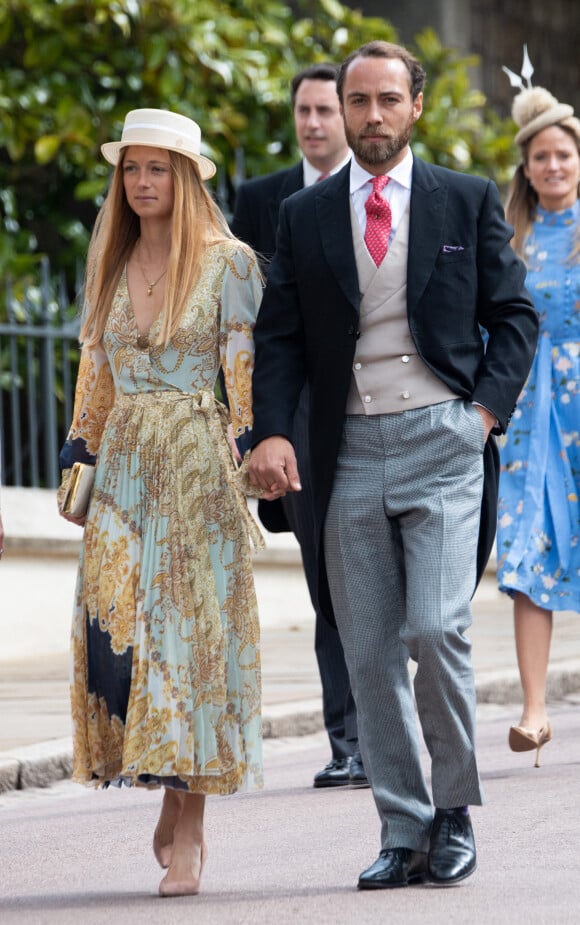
(273, 468)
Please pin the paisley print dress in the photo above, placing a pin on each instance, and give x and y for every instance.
(538, 541)
(165, 640)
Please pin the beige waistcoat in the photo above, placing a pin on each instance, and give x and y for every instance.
(388, 375)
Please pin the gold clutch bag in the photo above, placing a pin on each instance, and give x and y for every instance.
(76, 500)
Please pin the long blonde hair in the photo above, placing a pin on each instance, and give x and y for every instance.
(197, 224)
(522, 201)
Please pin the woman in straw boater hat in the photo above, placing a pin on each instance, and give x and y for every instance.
(538, 539)
(165, 642)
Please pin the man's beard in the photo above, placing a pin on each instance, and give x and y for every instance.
(382, 152)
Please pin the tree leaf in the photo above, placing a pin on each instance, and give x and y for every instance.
(46, 148)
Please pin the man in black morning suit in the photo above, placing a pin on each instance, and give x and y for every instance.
(381, 280)
(320, 135)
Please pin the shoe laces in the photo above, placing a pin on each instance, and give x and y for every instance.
(450, 824)
(337, 763)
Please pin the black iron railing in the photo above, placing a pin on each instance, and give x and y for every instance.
(39, 355)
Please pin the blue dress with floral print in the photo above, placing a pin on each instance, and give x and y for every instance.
(538, 541)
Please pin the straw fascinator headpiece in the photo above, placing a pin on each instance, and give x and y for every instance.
(535, 108)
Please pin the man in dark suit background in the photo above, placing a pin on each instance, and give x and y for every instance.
(320, 135)
(381, 280)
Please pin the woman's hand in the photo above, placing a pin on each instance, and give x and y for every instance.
(273, 468)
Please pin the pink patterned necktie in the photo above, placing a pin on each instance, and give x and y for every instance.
(379, 221)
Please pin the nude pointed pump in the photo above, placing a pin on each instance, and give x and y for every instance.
(184, 887)
(526, 740)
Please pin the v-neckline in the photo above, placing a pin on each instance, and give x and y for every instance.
(133, 316)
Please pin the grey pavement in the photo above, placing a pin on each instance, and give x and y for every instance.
(37, 576)
(291, 855)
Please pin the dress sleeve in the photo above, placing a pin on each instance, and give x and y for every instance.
(240, 300)
(94, 395)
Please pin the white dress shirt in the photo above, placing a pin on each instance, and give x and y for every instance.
(313, 174)
(397, 192)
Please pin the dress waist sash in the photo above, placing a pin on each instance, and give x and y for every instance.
(218, 419)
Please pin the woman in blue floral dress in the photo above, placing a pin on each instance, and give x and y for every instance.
(538, 539)
(165, 642)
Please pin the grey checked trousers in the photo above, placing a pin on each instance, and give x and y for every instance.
(400, 541)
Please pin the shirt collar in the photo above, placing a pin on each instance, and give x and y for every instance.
(401, 173)
(311, 173)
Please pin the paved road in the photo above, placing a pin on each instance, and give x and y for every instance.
(292, 854)
(37, 578)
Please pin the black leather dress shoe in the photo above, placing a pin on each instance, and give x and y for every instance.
(452, 847)
(335, 774)
(356, 772)
(394, 867)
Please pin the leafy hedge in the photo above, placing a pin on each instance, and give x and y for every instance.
(71, 70)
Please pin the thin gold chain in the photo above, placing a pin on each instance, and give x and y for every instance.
(150, 286)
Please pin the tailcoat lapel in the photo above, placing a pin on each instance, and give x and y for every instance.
(427, 216)
(333, 218)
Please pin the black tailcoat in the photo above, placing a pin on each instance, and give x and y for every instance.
(255, 221)
(462, 275)
(258, 205)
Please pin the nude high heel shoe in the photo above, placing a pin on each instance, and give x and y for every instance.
(184, 887)
(526, 740)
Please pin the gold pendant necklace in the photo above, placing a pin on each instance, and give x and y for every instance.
(150, 286)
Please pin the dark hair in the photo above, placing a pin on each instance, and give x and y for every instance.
(381, 49)
(324, 71)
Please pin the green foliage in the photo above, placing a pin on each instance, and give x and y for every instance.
(71, 69)
(457, 129)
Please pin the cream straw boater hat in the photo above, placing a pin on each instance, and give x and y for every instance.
(159, 128)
